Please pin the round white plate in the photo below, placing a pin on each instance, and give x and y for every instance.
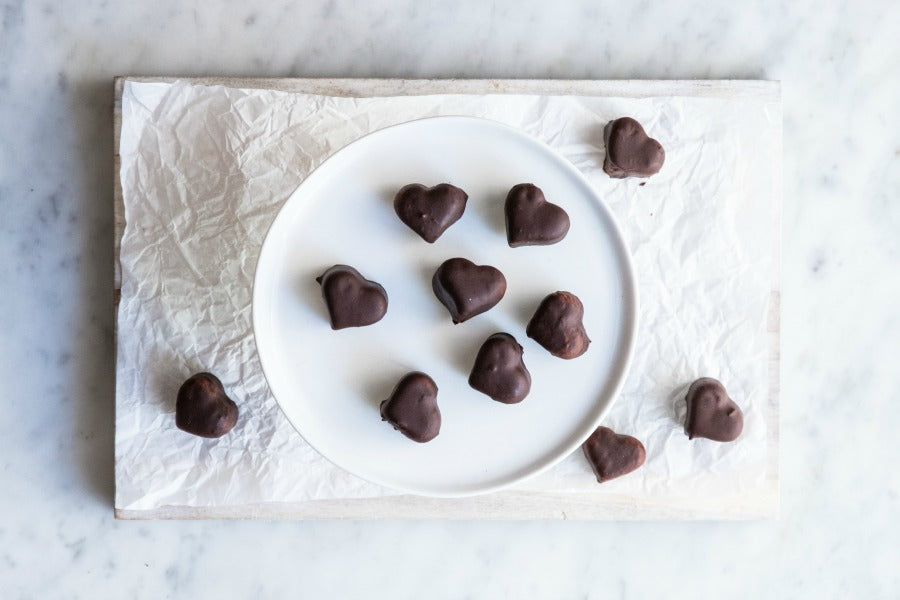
(330, 383)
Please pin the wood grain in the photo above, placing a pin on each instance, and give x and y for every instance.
(510, 505)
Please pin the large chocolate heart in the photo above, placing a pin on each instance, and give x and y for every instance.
(412, 407)
(203, 408)
(612, 455)
(352, 300)
(531, 220)
(430, 211)
(499, 370)
(557, 325)
(630, 152)
(711, 413)
(467, 289)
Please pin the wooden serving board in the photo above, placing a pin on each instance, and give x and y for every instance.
(512, 505)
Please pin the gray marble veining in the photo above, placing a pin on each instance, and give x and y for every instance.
(840, 518)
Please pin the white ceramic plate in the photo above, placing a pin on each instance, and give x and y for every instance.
(330, 383)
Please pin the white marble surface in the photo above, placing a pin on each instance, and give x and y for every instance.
(840, 522)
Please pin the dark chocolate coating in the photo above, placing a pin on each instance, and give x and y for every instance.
(556, 325)
(499, 370)
(352, 300)
(430, 211)
(612, 455)
(630, 152)
(467, 289)
(203, 408)
(412, 407)
(531, 220)
(711, 413)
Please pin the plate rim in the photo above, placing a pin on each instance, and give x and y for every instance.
(630, 325)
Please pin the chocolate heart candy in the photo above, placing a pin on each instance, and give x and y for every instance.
(612, 455)
(499, 370)
(711, 413)
(557, 326)
(430, 211)
(467, 289)
(412, 407)
(630, 151)
(531, 220)
(203, 408)
(352, 300)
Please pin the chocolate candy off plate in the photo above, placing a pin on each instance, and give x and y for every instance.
(467, 289)
(430, 211)
(412, 407)
(630, 152)
(203, 408)
(557, 325)
(351, 299)
(612, 455)
(531, 220)
(711, 413)
(499, 370)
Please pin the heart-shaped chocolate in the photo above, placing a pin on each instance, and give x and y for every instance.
(430, 211)
(711, 413)
(499, 370)
(352, 300)
(612, 455)
(412, 407)
(203, 408)
(630, 152)
(557, 325)
(531, 220)
(467, 289)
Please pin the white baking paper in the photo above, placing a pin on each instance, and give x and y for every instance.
(204, 170)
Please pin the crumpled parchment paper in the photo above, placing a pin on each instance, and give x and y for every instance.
(204, 170)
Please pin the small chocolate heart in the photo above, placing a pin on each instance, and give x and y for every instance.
(612, 455)
(412, 408)
(630, 152)
(531, 220)
(352, 300)
(557, 325)
(711, 413)
(467, 289)
(430, 211)
(499, 370)
(203, 408)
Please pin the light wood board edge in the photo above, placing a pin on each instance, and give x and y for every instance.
(118, 200)
(508, 505)
(500, 505)
(774, 317)
(622, 88)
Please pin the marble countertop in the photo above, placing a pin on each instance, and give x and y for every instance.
(840, 516)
